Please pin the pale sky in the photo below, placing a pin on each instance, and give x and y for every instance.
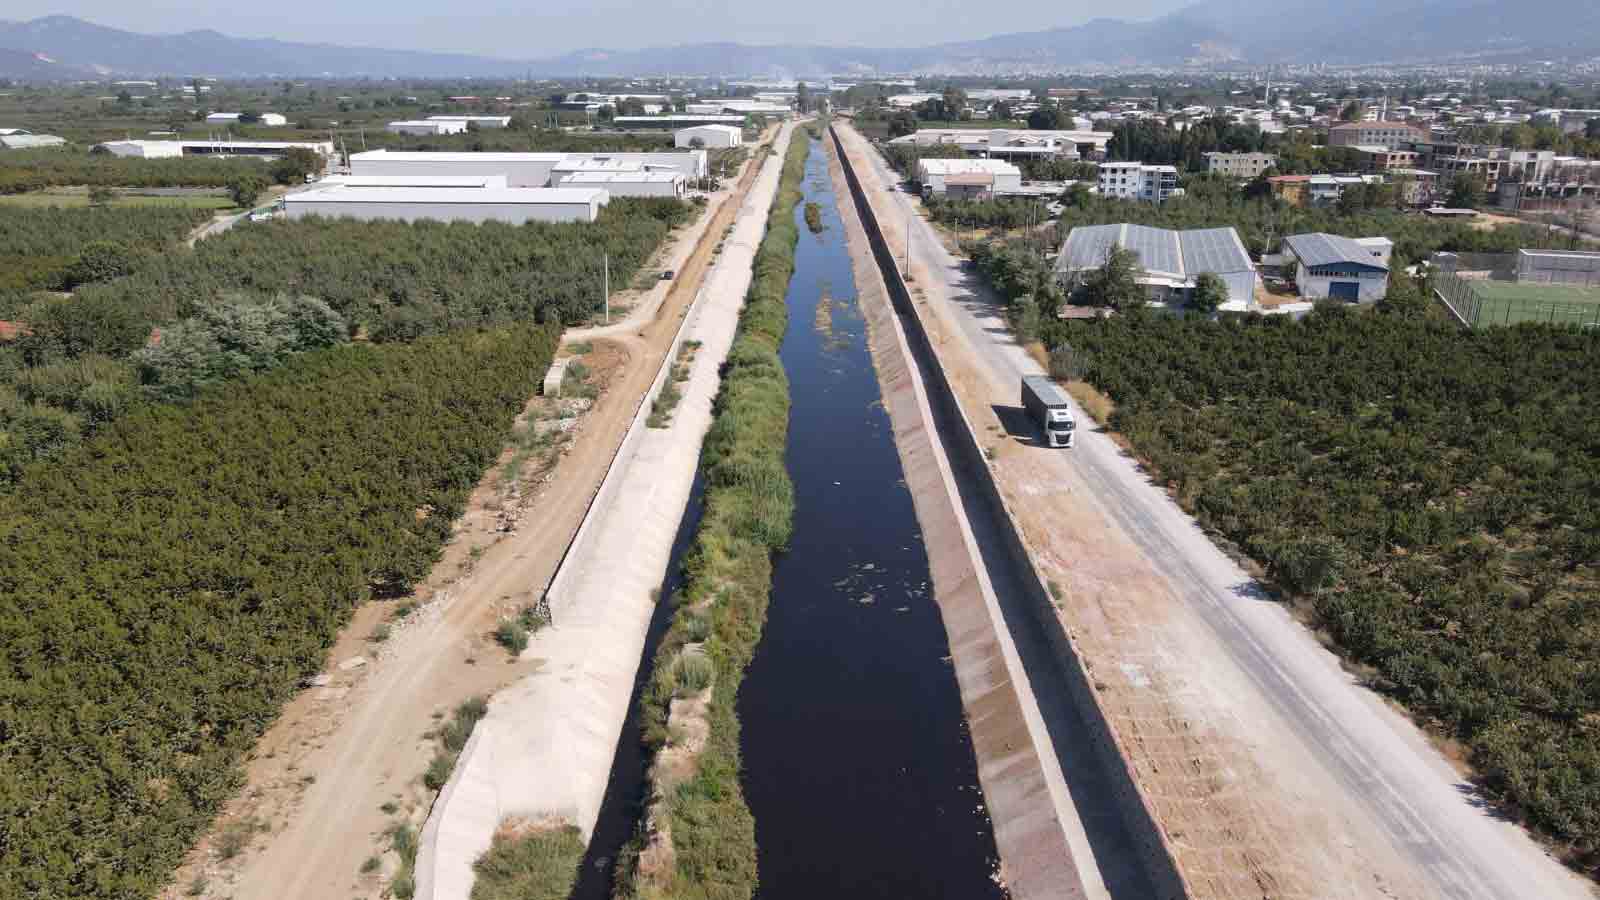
(552, 27)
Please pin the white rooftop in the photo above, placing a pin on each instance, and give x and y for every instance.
(551, 196)
(622, 177)
(449, 156)
(428, 181)
(968, 166)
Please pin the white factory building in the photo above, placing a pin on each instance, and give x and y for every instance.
(710, 136)
(1329, 266)
(273, 120)
(449, 204)
(479, 121)
(425, 127)
(628, 184)
(415, 181)
(523, 170)
(1137, 181)
(1013, 143)
(676, 121)
(162, 149)
(739, 107)
(999, 176)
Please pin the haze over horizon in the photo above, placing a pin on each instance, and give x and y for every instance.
(562, 26)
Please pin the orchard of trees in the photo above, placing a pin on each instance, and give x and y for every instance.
(32, 170)
(165, 587)
(44, 248)
(245, 300)
(1427, 492)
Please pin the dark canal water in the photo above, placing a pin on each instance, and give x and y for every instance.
(857, 761)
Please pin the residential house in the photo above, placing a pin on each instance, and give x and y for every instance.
(1239, 165)
(1137, 181)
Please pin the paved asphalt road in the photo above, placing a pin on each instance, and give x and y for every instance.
(1385, 763)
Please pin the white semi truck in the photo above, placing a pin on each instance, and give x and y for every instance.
(1048, 407)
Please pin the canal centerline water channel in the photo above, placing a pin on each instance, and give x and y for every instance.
(857, 762)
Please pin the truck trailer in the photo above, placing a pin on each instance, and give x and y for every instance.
(1048, 407)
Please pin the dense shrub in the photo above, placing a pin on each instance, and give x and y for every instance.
(1429, 492)
(167, 585)
(538, 865)
(749, 510)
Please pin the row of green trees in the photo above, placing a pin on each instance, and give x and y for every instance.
(167, 586)
(57, 248)
(1429, 492)
(749, 511)
(32, 170)
(245, 300)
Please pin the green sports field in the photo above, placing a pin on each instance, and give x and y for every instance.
(1508, 302)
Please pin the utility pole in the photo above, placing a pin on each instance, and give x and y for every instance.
(606, 283)
(908, 243)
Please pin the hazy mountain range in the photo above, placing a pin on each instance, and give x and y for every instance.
(1334, 31)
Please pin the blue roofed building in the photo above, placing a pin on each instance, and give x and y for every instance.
(1330, 266)
(1169, 261)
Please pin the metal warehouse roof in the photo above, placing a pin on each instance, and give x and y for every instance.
(1160, 250)
(446, 157)
(1213, 250)
(1318, 249)
(417, 181)
(538, 196)
(634, 177)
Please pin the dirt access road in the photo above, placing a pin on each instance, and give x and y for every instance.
(1271, 771)
(343, 762)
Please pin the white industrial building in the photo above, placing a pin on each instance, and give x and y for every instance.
(1137, 181)
(712, 136)
(521, 170)
(1330, 266)
(426, 127)
(515, 206)
(142, 149)
(934, 174)
(628, 184)
(416, 181)
(1013, 143)
(525, 170)
(1169, 261)
(161, 149)
(676, 121)
(272, 120)
(30, 141)
(479, 121)
(739, 107)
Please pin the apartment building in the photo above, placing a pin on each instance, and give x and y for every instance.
(1239, 165)
(1394, 135)
(1137, 181)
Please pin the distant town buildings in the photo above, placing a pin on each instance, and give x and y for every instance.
(1393, 135)
(426, 127)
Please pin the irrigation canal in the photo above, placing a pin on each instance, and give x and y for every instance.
(858, 766)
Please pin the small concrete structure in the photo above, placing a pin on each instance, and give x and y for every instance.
(555, 376)
(270, 120)
(409, 204)
(30, 141)
(143, 149)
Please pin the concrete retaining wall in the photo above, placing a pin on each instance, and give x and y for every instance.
(969, 461)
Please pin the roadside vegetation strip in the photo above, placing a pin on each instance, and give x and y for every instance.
(166, 586)
(529, 862)
(698, 838)
(1427, 493)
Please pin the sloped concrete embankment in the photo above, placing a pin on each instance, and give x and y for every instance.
(543, 752)
(1030, 850)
